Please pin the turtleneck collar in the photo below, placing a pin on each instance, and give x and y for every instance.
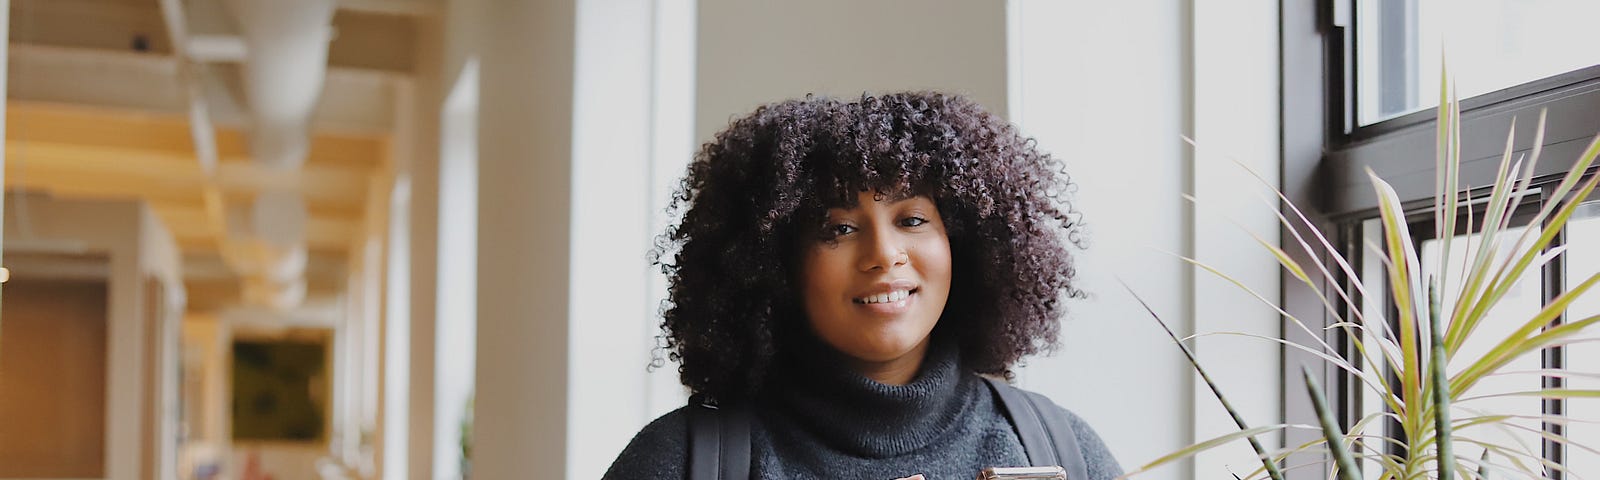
(859, 415)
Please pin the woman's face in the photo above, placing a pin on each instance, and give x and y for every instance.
(877, 281)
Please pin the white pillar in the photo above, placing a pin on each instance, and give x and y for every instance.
(1102, 85)
(409, 327)
(524, 220)
(1234, 51)
(611, 186)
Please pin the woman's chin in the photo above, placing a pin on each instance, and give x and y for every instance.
(887, 350)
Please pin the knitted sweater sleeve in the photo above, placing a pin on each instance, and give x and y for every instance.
(659, 451)
(1102, 466)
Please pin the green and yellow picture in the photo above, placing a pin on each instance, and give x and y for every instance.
(279, 390)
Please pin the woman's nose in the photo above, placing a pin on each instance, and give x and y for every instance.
(885, 251)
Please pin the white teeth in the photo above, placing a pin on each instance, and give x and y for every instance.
(894, 296)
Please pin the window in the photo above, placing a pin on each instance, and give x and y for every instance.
(1490, 45)
(1583, 261)
(1360, 81)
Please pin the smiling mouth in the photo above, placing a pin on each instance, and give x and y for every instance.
(884, 298)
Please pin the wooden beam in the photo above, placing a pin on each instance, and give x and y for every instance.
(188, 224)
(61, 167)
(103, 153)
(357, 101)
(166, 132)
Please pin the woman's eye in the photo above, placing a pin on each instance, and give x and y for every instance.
(913, 222)
(837, 230)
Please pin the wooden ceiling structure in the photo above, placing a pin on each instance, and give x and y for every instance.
(96, 108)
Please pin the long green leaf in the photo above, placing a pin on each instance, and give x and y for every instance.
(1516, 458)
(1261, 452)
(1552, 419)
(1542, 393)
(1554, 437)
(1348, 470)
(1209, 444)
(1495, 219)
(1444, 196)
(1397, 238)
(1441, 389)
(1547, 372)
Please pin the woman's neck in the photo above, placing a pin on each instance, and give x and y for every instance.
(897, 371)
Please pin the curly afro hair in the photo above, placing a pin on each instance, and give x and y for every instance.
(760, 189)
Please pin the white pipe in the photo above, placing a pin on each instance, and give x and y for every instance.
(286, 57)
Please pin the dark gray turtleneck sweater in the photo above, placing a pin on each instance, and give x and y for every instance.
(826, 422)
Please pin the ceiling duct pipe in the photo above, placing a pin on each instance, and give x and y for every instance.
(286, 61)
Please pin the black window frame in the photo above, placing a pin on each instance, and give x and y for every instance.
(1325, 154)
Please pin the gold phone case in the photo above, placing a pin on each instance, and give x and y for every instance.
(1023, 473)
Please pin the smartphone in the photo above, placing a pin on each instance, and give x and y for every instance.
(1023, 473)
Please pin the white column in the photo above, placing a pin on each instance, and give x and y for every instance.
(1234, 46)
(422, 121)
(409, 323)
(524, 238)
(1103, 86)
(457, 281)
(396, 338)
(610, 231)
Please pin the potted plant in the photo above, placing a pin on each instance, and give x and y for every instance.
(1428, 332)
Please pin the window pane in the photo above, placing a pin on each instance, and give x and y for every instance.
(1490, 45)
(1519, 304)
(1373, 308)
(1583, 261)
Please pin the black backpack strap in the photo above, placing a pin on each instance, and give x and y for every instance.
(719, 442)
(1047, 437)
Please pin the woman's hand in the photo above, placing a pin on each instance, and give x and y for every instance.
(913, 477)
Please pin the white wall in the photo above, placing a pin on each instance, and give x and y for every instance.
(757, 52)
(1111, 88)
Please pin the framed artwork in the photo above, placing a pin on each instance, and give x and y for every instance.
(280, 388)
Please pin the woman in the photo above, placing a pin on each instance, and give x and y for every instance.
(845, 270)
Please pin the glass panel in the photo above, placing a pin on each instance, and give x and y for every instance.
(1373, 308)
(1583, 261)
(1519, 304)
(1490, 45)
